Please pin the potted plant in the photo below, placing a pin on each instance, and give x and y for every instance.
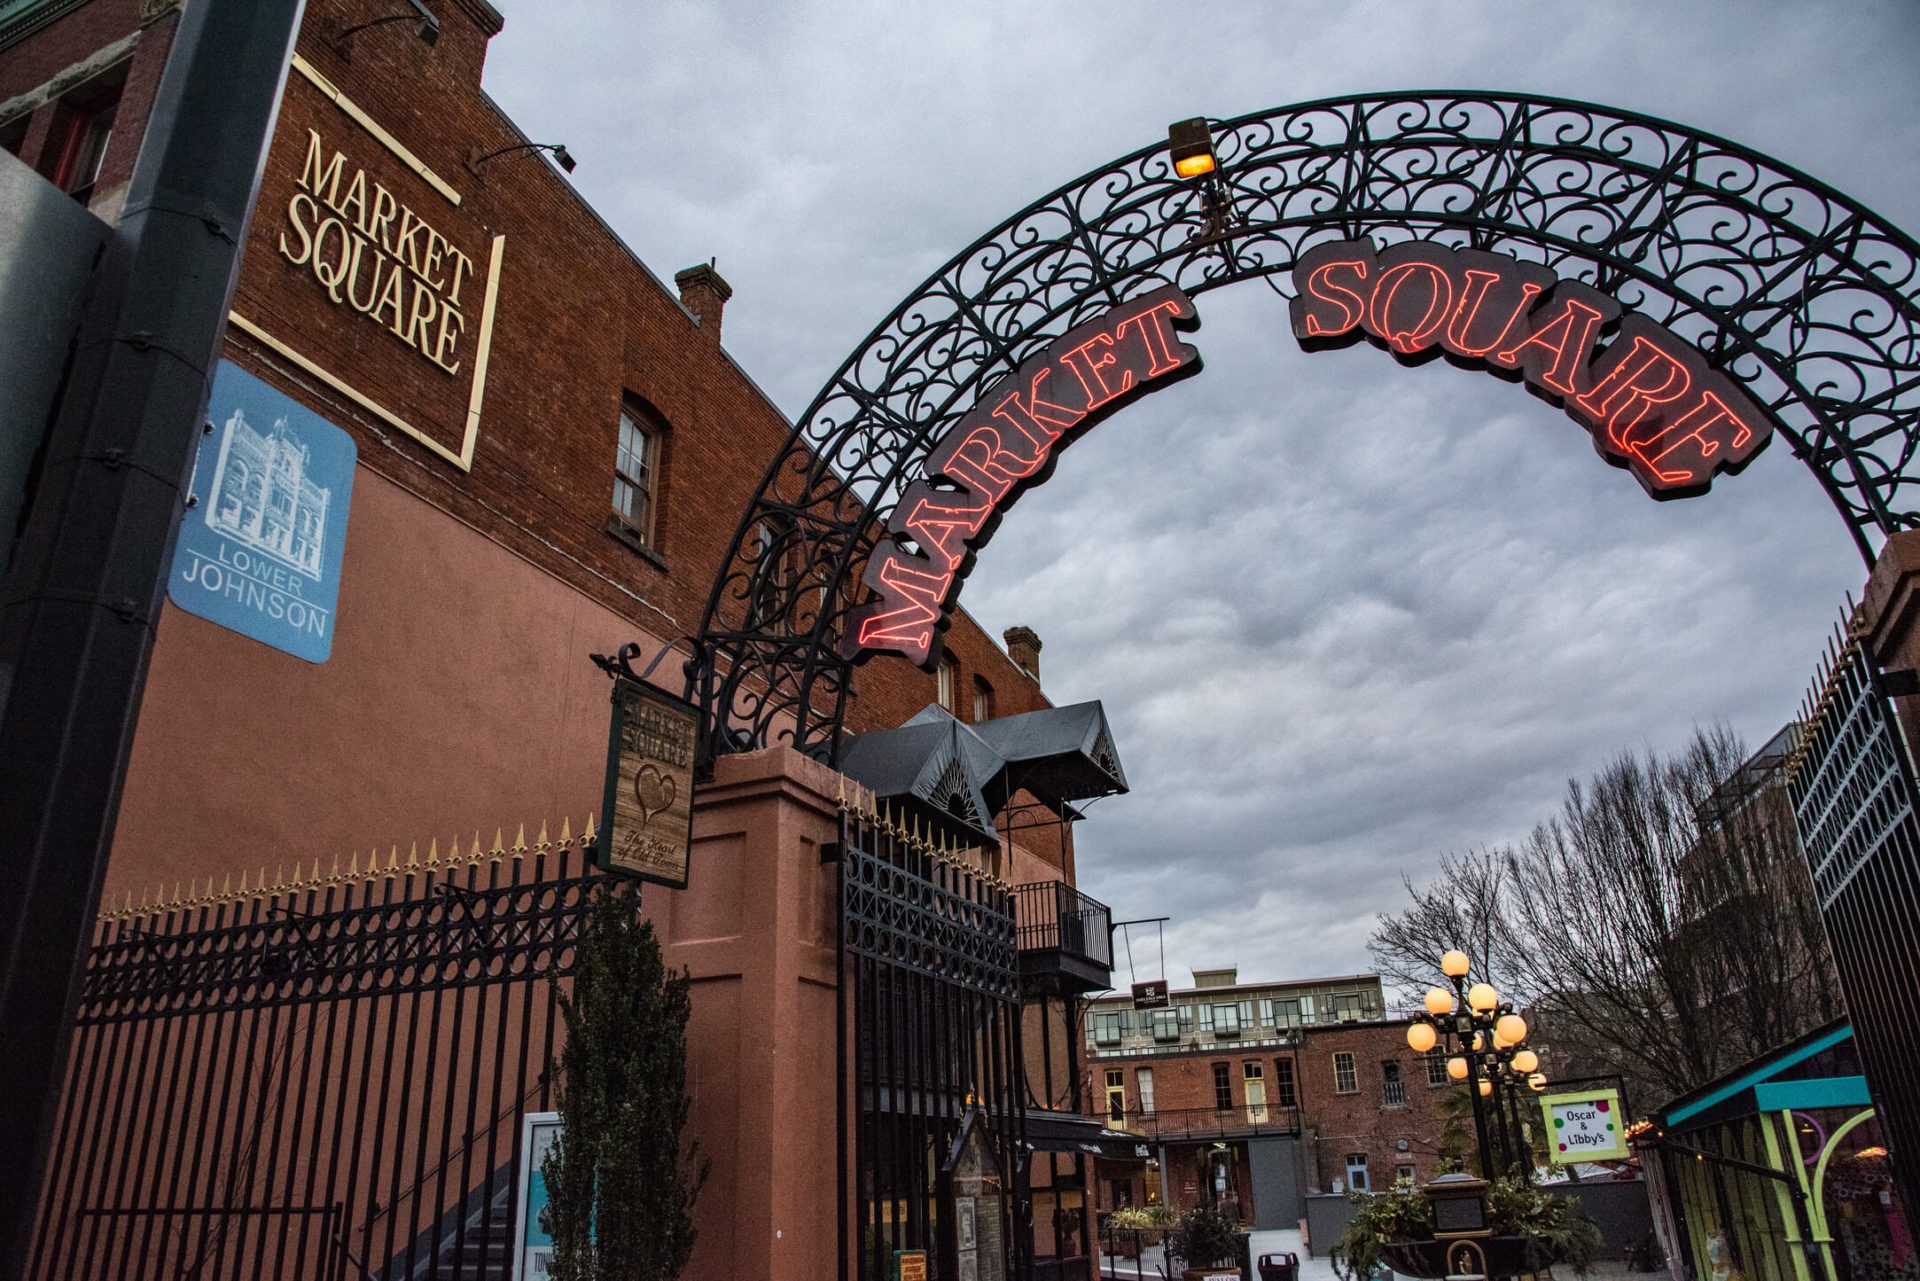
(1531, 1229)
(1126, 1226)
(1203, 1239)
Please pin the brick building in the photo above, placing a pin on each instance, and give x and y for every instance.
(1255, 1095)
(550, 453)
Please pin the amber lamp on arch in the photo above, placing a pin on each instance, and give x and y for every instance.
(1190, 144)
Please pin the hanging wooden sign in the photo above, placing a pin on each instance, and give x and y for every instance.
(646, 829)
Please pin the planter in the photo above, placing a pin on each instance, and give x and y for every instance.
(1226, 1273)
(1506, 1256)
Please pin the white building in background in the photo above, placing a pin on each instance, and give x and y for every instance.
(262, 498)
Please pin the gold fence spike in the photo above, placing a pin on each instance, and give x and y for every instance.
(587, 834)
(474, 856)
(520, 841)
(433, 852)
(226, 886)
(315, 878)
(499, 845)
(393, 860)
(353, 866)
(413, 855)
(566, 833)
(542, 843)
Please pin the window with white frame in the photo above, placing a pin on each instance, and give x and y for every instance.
(1286, 1013)
(1254, 1080)
(1106, 1029)
(1357, 1172)
(1345, 1079)
(1226, 1020)
(1206, 1018)
(1437, 1071)
(1166, 1025)
(1284, 1094)
(1116, 1097)
(1393, 1088)
(1143, 1081)
(635, 472)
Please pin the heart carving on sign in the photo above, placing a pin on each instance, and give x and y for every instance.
(655, 792)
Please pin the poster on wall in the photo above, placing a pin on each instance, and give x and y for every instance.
(646, 828)
(1584, 1127)
(265, 530)
(533, 1229)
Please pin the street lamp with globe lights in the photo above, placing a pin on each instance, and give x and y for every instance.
(1483, 1040)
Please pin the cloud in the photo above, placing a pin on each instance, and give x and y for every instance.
(1344, 615)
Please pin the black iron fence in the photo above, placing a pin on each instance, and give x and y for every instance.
(930, 984)
(1853, 793)
(1171, 1125)
(321, 1078)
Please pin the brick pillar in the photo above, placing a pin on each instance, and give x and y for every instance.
(758, 928)
(1023, 647)
(705, 294)
(1888, 621)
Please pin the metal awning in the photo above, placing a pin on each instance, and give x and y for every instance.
(1049, 1131)
(959, 776)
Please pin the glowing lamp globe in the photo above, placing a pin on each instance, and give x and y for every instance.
(1439, 1001)
(1457, 1068)
(1482, 998)
(1501, 1042)
(1526, 1061)
(1421, 1037)
(1486, 1088)
(1513, 1027)
(1479, 1041)
(1454, 965)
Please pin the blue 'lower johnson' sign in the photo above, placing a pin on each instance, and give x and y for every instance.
(260, 549)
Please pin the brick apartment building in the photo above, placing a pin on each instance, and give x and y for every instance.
(1254, 1095)
(550, 453)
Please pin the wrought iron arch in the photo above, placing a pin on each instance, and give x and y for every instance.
(1804, 297)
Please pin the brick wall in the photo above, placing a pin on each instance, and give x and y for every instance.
(1363, 1121)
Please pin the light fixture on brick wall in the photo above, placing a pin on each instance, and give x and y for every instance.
(425, 24)
(561, 156)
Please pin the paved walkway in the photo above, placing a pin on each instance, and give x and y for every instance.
(1311, 1269)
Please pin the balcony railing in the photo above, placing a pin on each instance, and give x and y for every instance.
(1171, 1125)
(1063, 934)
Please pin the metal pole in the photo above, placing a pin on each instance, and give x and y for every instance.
(1462, 1010)
(82, 596)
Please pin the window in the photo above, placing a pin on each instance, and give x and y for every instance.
(774, 552)
(1166, 1025)
(1143, 1081)
(1283, 1091)
(1255, 1083)
(1345, 1079)
(1357, 1172)
(1222, 1088)
(1226, 1020)
(1186, 1018)
(1346, 1007)
(635, 465)
(1246, 1013)
(1406, 1172)
(1437, 1071)
(1126, 1023)
(1394, 1092)
(1206, 1018)
(1266, 1012)
(982, 700)
(1116, 1097)
(949, 678)
(82, 128)
(1286, 1013)
(1106, 1029)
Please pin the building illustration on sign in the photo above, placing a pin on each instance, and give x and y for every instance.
(260, 552)
(263, 497)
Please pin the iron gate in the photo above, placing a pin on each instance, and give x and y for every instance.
(1852, 787)
(930, 982)
(318, 1079)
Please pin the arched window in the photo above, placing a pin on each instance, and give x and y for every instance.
(949, 678)
(982, 700)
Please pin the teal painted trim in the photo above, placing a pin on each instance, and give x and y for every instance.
(1760, 1074)
(1823, 1092)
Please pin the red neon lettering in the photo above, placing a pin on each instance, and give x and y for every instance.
(1352, 306)
(1040, 421)
(1156, 333)
(1567, 338)
(1697, 430)
(983, 464)
(1479, 283)
(1639, 380)
(1088, 371)
(1387, 288)
(941, 530)
(912, 623)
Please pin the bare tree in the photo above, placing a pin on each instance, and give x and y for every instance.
(1661, 925)
(1464, 907)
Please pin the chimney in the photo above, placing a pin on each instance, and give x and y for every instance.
(1023, 647)
(705, 294)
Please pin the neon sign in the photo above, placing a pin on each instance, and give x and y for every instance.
(1650, 400)
(1005, 444)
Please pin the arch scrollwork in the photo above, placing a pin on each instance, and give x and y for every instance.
(1796, 293)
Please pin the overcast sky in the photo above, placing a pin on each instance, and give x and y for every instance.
(1377, 613)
